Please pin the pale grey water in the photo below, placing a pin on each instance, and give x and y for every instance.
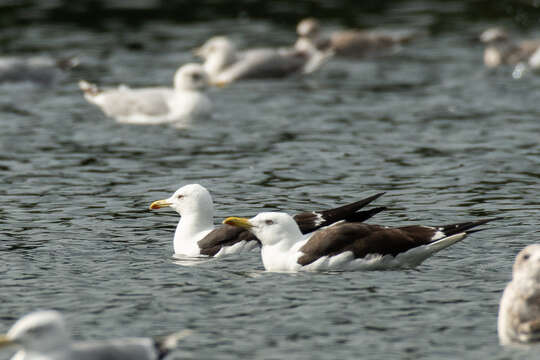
(447, 140)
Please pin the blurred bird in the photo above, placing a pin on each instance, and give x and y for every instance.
(502, 50)
(42, 335)
(519, 311)
(351, 43)
(156, 105)
(225, 64)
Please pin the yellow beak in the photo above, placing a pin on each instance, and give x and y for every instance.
(5, 341)
(219, 84)
(159, 204)
(238, 222)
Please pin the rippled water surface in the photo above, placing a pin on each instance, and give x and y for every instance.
(447, 140)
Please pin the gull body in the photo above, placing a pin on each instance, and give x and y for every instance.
(41, 70)
(347, 246)
(351, 43)
(195, 234)
(225, 64)
(42, 335)
(519, 311)
(502, 50)
(156, 105)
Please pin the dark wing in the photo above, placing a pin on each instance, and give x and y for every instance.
(423, 233)
(311, 221)
(360, 239)
(225, 235)
(363, 239)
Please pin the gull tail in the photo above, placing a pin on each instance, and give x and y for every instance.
(88, 88)
(166, 344)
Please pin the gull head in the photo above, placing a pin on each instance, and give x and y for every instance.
(40, 331)
(191, 77)
(189, 199)
(308, 28)
(493, 35)
(217, 45)
(527, 264)
(269, 227)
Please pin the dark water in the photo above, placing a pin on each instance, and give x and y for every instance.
(447, 140)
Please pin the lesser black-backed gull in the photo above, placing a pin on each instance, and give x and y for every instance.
(196, 235)
(347, 246)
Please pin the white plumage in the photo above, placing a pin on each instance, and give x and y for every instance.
(156, 105)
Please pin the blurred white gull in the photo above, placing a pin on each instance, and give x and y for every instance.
(41, 70)
(224, 64)
(502, 50)
(351, 43)
(42, 335)
(519, 311)
(156, 105)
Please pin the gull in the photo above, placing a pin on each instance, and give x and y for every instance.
(351, 43)
(156, 105)
(42, 335)
(501, 50)
(347, 246)
(42, 70)
(196, 235)
(225, 64)
(519, 311)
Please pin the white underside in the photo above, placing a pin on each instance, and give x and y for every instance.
(279, 261)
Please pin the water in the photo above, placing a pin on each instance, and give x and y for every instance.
(447, 140)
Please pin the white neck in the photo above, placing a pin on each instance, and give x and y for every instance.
(190, 229)
(216, 63)
(283, 255)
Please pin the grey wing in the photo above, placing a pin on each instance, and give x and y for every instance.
(126, 102)
(225, 235)
(266, 63)
(118, 349)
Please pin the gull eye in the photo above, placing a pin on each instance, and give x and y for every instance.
(196, 76)
(526, 256)
(269, 222)
(180, 196)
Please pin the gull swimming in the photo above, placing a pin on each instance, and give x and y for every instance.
(196, 235)
(224, 64)
(347, 246)
(502, 50)
(349, 43)
(156, 105)
(41, 70)
(43, 335)
(519, 311)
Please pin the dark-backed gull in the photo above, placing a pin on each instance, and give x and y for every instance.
(196, 235)
(347, 246)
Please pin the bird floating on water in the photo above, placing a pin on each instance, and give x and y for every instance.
(351, 43)
(156, 105)
(40, 70)
(347, 246)
(42, 335)
(519, 311)
(225, 64)
(196, 235)
(502, 50)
